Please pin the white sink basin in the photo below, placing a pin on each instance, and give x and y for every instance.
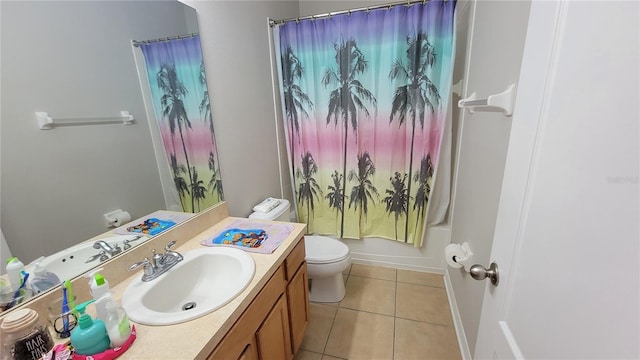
(207, 279)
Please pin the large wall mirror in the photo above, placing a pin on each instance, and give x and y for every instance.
(75, 59)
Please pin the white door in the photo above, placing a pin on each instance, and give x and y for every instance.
(567, 237)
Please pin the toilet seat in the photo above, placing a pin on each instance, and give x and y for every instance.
(324, 250)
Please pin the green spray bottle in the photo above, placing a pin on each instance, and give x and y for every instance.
(90, 336)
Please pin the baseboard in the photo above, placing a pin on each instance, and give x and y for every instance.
(391, 262)
(457, 320)
(398, 255)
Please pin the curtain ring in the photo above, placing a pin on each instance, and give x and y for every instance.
(349, 12)
(297, 20)
(389, 8)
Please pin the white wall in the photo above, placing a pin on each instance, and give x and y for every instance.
(74, 59)
(235, 45)
(495, 50)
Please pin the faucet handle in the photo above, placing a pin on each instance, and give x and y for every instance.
(100, 255)
(170, 245)
(146, 263)
(171, 256)
(127, 242)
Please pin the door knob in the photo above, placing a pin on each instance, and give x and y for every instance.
(479, 272)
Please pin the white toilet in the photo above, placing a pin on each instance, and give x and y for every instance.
(326, 259)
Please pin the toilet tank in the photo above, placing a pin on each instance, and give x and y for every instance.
(279, 213)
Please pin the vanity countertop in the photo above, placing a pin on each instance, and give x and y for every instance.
(197, 338)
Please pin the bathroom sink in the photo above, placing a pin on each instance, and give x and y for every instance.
(207, 279)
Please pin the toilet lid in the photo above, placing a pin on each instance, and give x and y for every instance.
(322, 249)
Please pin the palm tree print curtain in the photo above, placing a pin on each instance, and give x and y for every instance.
(365, 97)
(183, 112)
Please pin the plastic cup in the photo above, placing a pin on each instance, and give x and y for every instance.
(7, 299)
(61, 321)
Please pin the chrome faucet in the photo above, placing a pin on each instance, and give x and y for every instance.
(159, 263)
(101, 244)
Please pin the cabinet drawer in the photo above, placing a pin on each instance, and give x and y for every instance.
(295, 259)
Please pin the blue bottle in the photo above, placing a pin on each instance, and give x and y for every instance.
(90, 336)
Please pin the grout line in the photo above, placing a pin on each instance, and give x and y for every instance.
(333, 322)
(372, 278)
(395, 307)
(431, 286)
(426, 322)
(367, 312)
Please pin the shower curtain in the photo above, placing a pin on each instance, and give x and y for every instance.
(178, 86)
(365, 97)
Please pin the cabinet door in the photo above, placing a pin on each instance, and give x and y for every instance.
(273, 336)
(298, 303)
(242, 336)
(250, 352)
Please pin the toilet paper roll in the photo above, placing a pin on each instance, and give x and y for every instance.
(121, 218)
(455, 255)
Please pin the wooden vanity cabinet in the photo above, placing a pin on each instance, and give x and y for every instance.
(274, 339)
(250, 351)
(273, 325)
(297, 294)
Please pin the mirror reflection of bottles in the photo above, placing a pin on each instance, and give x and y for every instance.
(14, 269)
(42, 279)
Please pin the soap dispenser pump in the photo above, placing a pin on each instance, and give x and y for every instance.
(90, 336)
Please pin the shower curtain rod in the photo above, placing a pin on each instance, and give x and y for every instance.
(137, 43)
(273, 23)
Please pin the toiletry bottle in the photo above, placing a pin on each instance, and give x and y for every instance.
(42, 279)
(99, 287)
(14, 269)
(118, 326)
(90, 336)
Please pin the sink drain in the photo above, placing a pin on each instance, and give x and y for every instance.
(188, 306)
